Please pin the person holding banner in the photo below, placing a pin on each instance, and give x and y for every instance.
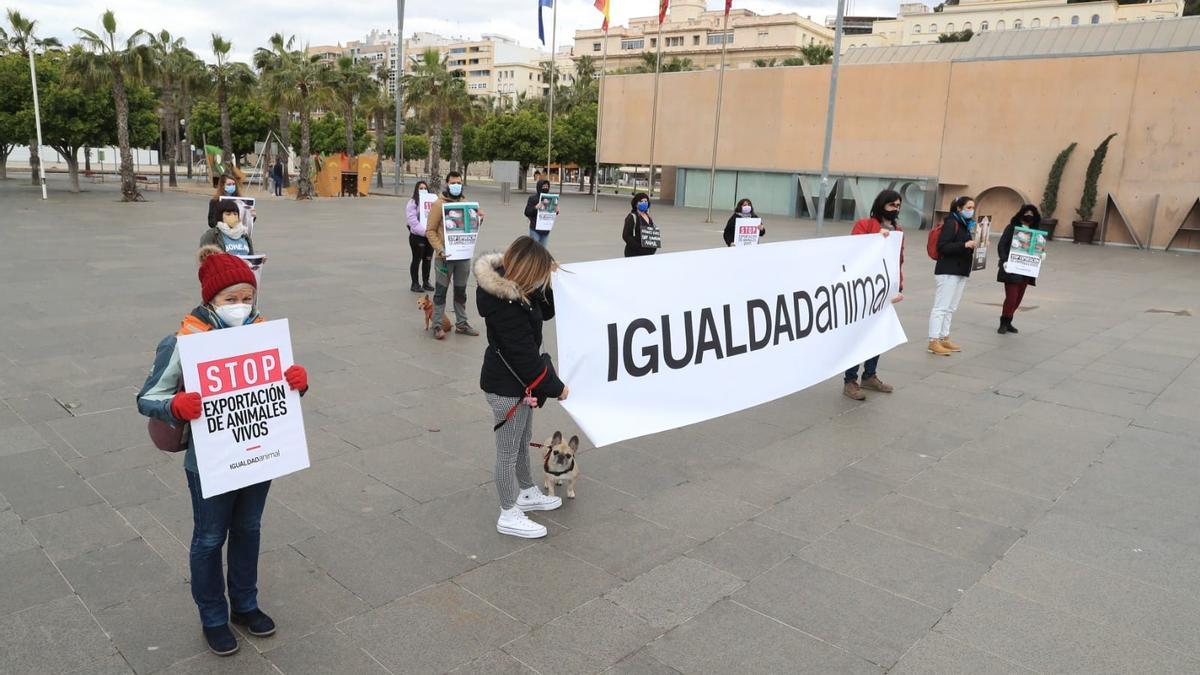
(640, 233)
(956, 253)
(744, 209)
(514, 298)
(884, 219)
(228, 187)
(422, 252)
(1014, 284)
(230, 234)
(533, 206)
(456, 271)
(228, 289)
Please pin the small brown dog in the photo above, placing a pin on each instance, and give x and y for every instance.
(425, 304)
(559, 464)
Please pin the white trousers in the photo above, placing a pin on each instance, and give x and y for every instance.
(946, 296)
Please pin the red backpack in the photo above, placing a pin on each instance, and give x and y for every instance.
(931, 244)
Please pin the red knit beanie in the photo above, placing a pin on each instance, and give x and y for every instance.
(219, 271)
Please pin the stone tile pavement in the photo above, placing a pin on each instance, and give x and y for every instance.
(1027, 506)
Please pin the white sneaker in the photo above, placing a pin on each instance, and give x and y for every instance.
(532, 499)
(515, 522)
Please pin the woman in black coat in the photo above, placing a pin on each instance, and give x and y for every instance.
(1014, 284)
(514, 298)
(636, 222)
(744, 209)
(956, 252)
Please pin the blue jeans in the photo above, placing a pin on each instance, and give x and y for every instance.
(868, 370)
(238, 516)
(539, 237)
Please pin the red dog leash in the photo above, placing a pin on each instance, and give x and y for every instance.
(528, 393)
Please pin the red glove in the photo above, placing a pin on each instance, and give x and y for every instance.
(186, 406)
(297, 378)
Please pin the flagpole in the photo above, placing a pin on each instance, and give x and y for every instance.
(550, 126)
(833, 81)
(37, 118)
(599, 119)
(654, 113)
(399, 97)
(712, 169)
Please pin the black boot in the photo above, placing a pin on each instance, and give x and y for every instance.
(1003, 326)
(1011, 328)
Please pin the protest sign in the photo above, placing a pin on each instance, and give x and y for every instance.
(982, 235)
(1027, 252)
(423, 207)
(255, 262)
(460, 223)
(547, 213)
(746, 231)
(654, 343)
(251, 428)
(245, 204)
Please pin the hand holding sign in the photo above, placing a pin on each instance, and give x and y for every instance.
(186, 406)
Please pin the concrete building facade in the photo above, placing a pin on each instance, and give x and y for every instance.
(983, 118)
(691, 32)
(917, 23)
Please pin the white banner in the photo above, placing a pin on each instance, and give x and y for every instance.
(746, 231)
(460, 227)
(659, 342)
(251, 428)
(548, 212)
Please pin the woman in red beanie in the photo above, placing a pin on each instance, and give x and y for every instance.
(227, 287)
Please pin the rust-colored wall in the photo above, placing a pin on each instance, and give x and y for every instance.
(988, 128)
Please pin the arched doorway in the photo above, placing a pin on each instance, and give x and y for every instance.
(1000, 202)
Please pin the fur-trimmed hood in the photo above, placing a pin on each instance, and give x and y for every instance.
(489, 273)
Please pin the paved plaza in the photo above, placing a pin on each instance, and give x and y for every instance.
(1030, 505)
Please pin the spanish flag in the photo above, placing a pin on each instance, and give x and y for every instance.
(602, 5)
(663, 5)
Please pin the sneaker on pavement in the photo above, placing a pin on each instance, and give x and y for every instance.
(935, 347)
(875, 384)
(221, 640)
(532, 499)
(514, 522)
(255, 621)
(852, 390)
(465, 329)
(950, 345)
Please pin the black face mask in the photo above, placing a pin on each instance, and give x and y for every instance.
(1027, 218)
(891, 216)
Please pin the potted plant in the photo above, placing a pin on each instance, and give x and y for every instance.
(1050, 196)
(1085, 227)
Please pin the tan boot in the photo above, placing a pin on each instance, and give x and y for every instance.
(950, 345)
(852, 390)
(935, 347)
(876, 384)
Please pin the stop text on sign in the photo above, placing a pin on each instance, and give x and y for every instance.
(243, 371)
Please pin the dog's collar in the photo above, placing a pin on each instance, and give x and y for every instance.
(546, 467)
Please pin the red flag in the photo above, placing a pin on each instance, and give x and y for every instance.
(602, 5)
(662, 10)
(728, 6)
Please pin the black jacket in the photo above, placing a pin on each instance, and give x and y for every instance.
(632, 234)
(955, 258)
(1003, 249)
(729, 225)
(514, 331)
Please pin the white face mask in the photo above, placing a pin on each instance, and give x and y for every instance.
(968, 213)
(234, 315)
(234, 232)
(747, 209)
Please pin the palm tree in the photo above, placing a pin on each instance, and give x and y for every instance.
(427, 84)
(21, 40)
(193, 82)
(348, 82)
(230, 78)
(817, 55)
(105, 61)
(461, 110)
(300, 81)
(268, 61)
(380, 106)
(172, 62)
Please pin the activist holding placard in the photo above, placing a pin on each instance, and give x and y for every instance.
(228, 291)
(641, 235)
(884, 219)
(744, 212)
(955, 249)
(1016, 275)
(514, 298)
(453, 269)
(701, 345)
(416, 214)
(541, 209)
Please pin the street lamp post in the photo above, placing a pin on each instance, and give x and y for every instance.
(399, 94)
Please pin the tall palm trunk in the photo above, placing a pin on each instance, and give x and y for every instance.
(456, 148)
(350, 129)
(87, 159)
(435, 157)
(35, 161)
(304, 183)
(172, 145)
(187, 133)
(379, 138)
(285, 135)
(226, 131)
(129, 191)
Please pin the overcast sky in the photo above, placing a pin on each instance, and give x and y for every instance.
(248, 23)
